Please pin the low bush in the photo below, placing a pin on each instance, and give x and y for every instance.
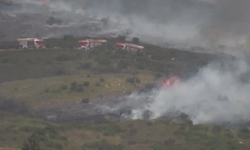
(80, 88)
(97, 84)
(228, 135)
(63, 57)
(58, 146)
(101, 79)
(61, 71)
(86, 66)
(64, 87)
(217, 129)
(112, 129)
(102, 145)
(150, 86)
(26, 129)
(86, 83)
(85, 100)
(133, 80)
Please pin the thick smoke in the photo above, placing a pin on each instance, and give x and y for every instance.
(183, 23)
(229, 24)
(206, 23)
(218, 93)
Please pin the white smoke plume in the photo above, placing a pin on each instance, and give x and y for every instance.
(218, 93)
(183, 23)
(206, 23)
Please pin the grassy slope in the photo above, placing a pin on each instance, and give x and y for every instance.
(132, 135)
(43, 72)
(36, 76)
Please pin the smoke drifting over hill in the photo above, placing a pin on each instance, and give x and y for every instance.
(217, 94)
(229, 24)
(186, 22)
(183, 23)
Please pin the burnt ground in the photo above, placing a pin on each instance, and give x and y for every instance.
(98, 109)
(112, 109)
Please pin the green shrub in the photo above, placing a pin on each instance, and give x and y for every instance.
(63, 57)
(123, 64)
(140, 66)
(244, 130)
(86, 66)
(103, 61)
(183, 116)
(137, 80)
(131, 142)
(159, 147)
(74, 86)
(97, 84)
(40, 131)
(217, 129)
(6, 60)
(53, 20)
(58, 146)
(68, 37)
(101, 79)
(63, 138)
(130, 80)
(135, 40)
(149, 86)
(169, 142)
(244, 136)
(32, 143)
(47, 90)
(61, 71)
(52, 136)
(228, 135)
(133, 80)
(158, 75)
(112, 129)
(149, 123)
(14, 138)
(102, 145)
(27, 129)
(51, 129)
(183, 126)
(86, 83)
(80, 88)
(132, 131)
(49, 144)
(121, 38)
(85, 100)
(64, 87)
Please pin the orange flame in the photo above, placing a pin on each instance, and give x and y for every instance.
(173, 81)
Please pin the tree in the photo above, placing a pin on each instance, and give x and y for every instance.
(32, 143)
(136, 40)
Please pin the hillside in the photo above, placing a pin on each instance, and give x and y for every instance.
(37, 82)
(125, 135)
(48, 74)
